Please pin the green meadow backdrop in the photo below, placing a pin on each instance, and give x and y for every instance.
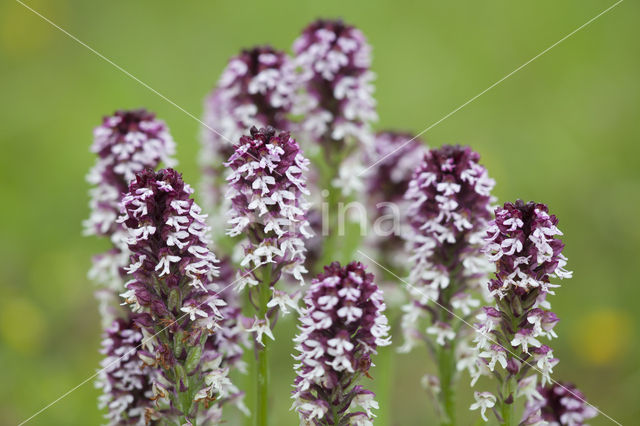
(564, 130)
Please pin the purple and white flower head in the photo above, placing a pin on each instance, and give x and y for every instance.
(336, 97)
(524, 243)
(172, 272)
(558, 404)
(125, 379)
(335, 60)
(267, 190)
(342, 324)
(395, 156)
(255, 89)
(449, 210)
(125, 143)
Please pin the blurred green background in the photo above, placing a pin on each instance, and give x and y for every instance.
(564, 130)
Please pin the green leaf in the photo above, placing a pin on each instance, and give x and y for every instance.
(193, 359)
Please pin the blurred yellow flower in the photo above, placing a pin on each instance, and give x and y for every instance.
(603, 336)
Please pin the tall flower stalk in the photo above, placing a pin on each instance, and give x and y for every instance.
(172, 288)
(341, 326)
(337, 108)
(524, 243)
(450, 197)
(267, 190)
(255, 89)
(125, 143)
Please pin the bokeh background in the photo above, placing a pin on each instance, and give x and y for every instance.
(564, 130)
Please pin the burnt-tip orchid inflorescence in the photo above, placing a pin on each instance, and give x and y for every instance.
(449, 199)
(256, 89)
(334, 108)
(558, 404)
(172, 286)
(341, 326)
(450, 207)
(125, 143)
(336, 98)
(335, 60)
(267, 190)
(524, 243)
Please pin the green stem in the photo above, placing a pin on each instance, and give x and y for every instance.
(185, 398)
(384, 374)
(447, 362)
(331, 250)
(334, 414)
(509, 386)
(262, 372)
(184, 420)
(248, 381)
(447, 395)
(507, 408)
(327, 162)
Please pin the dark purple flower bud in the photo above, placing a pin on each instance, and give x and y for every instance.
(342, 324)
(513, 366)
(558, 404)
